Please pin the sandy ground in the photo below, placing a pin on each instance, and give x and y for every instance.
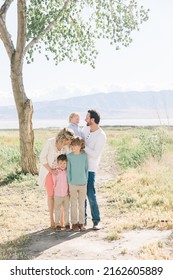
(47, 244)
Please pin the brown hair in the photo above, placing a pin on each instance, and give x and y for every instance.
(79, 142)
(62, 157)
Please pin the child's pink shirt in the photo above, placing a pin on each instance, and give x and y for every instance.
(60, 183)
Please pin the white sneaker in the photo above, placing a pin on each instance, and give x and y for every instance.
(96, 226)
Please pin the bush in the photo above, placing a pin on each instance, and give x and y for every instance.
(155, 143)
(131, 152)
(10, 155)
(130, 155)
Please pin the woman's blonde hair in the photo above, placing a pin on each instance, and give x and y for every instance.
(64, 134)
(79, 142)
(75, 114)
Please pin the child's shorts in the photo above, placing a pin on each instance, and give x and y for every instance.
(49, 185)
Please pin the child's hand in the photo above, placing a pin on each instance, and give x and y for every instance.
(56, 171)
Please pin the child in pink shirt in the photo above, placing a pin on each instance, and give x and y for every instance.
(61, 192)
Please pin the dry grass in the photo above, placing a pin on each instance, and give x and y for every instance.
(154, 251)
(142, 197)
(138, 198)
(23, 209)
(23, 206)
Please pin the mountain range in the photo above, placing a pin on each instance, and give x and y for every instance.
(132, 104)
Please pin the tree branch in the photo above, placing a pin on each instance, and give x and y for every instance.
(4, 34)
(47, 29)
(36, 39)
(6, 38)
(5, 7)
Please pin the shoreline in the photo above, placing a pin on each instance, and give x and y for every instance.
(103, 126)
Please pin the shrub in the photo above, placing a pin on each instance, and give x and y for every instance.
(155, 143)
(10, 155)
(129, 154)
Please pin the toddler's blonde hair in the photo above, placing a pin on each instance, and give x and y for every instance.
(74, 114)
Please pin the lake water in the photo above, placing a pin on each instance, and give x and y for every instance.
(13, 124)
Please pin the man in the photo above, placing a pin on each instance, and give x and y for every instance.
(95, 140)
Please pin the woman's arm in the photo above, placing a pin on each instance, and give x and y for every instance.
(52, 171)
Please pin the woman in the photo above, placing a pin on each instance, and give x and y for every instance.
(48, 159)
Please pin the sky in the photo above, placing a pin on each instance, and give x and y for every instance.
(147, 64)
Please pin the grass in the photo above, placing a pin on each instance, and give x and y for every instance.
(139, 197)
(142, 197)
(142, 194)
(23, 206)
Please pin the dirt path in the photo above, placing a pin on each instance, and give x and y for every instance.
(47, 244)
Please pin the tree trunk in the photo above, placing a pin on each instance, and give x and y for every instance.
(26, 136)
(25, 111)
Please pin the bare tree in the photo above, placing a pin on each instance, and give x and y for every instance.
(69, 29)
